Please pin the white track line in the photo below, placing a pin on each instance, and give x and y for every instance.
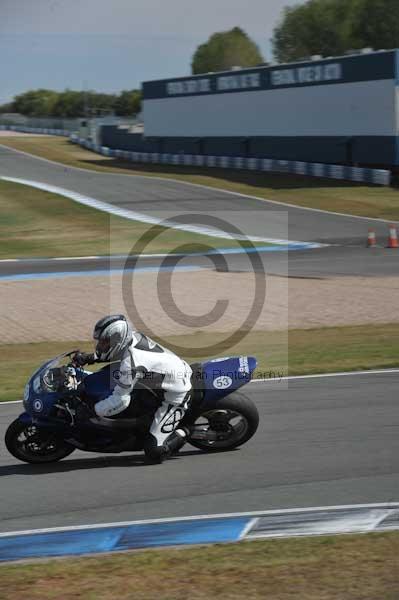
(96, 257)
(200, 185)
(248, 527)
(10, 402)
(257, 513)
(291, 377)
(320, 375)
(116, 257)
(135, 216)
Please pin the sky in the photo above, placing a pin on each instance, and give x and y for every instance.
(111, 45)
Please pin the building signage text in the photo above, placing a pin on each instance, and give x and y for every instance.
(238, 82)
(317, 73)
(310, 74)
(189, 86)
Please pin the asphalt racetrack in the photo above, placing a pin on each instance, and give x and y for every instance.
(150, 195)
(321, 262)
(346, 253)
(321, 441)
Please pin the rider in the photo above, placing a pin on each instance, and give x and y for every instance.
(163, 371)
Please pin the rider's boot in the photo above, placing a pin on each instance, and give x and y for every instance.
(172, 445)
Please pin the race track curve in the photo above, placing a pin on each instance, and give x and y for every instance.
(346, 254)
(156, 196)
(321, 441)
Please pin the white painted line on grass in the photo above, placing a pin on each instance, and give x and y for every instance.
(135, 216)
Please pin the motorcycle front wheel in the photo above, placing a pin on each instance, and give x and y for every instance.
(37, 446)
(232, 422)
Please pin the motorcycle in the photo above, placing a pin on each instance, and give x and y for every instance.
(57, 419)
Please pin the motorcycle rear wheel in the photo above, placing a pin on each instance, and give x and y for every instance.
(235, 420)
(35, 446)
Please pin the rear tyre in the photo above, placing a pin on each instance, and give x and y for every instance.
(232, 422)
(37, 446)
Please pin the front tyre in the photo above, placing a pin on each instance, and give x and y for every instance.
(37, 446)
(232, 422)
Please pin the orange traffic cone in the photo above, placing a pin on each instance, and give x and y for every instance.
(371, 241)
(393, 237)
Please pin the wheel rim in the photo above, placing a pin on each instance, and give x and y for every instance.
(228, 426)
(30, 442)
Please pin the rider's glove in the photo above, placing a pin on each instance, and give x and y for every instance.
(83, 358)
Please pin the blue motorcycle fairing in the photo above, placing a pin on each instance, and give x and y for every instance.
(25, 418)
(40, 405)
(37, 402)
(219, 376)
(222, 376)
(100, 384)
(43, 422)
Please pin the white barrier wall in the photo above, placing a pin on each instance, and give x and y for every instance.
(337, 110)
(345, 96)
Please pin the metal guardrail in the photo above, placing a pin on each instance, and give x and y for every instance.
(356, 174)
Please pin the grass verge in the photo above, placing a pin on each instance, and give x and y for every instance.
(35, 223)
(324, 350)
(326, 194)
(353, 567)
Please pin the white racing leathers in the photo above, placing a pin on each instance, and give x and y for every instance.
(167, 374)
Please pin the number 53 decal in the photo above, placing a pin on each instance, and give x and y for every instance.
(222, 382)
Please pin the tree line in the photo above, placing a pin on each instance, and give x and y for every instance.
(315, 27)
(324, 27)
(333, 27)
(72, 103)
